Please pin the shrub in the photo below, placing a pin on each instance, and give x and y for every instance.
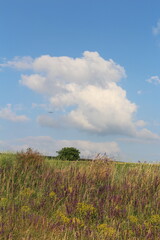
(30, 160)
(68, 153)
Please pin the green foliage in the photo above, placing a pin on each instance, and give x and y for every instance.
(69, 153)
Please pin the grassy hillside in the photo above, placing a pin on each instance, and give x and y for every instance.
(60, 200)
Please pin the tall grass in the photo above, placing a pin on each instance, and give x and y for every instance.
(99, 200)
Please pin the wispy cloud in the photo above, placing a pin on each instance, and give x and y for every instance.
(8, 114)
(139, 92)
(156, 29)
(18, 63)
(140, 123)
(40, 106)
(154, 79)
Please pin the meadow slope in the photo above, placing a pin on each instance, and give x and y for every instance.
(59, 200)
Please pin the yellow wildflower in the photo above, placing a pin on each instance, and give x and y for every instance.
(52, 194)
(65, 219)
(118, 208)
(105, 229)
(102, 227)
(70, 189)
(110, 232)
(3, 202)
(131, 233)
(26, 192)
(133, 219)
(155, 219)
(25, 209)
(147, 224)
(77, 221)
(62, 218)
(84, 209)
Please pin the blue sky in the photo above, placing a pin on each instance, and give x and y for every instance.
(83, 74)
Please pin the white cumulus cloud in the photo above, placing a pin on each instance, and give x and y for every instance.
(62, 74)
(8, 114)
(86, 91)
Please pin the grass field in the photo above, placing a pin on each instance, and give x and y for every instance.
(61, 200)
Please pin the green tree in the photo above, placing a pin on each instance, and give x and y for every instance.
(69, 153)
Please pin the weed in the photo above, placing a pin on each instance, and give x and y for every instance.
(78, 201)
